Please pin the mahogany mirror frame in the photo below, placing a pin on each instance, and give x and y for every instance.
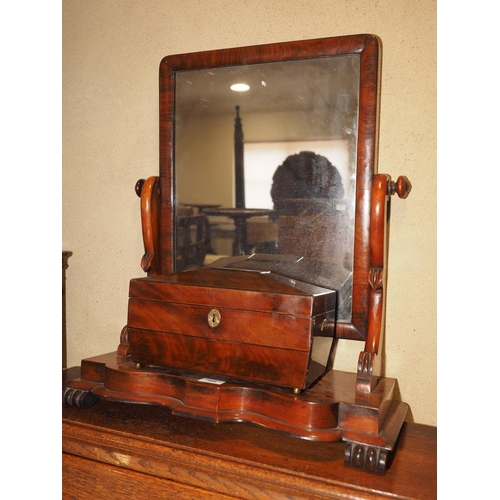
(369, 49)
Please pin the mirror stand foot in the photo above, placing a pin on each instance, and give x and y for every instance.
(368, 458)
(80, 398)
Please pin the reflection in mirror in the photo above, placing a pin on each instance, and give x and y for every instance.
(292, 212)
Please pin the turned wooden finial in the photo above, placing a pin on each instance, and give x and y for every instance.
(138, 187)
(402, 187)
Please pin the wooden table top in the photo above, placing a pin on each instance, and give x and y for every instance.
(239, 213)
(243, 460)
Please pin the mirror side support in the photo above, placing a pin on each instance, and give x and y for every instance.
(369, 361)
(149, 190)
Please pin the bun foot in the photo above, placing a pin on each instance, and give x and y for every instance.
(368, 458)
(80, 398)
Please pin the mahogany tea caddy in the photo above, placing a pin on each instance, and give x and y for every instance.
(248, 336)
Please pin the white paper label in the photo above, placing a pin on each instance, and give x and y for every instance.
(212, 381)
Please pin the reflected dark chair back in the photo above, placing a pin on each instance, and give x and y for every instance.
(306, 175)
(307, 194)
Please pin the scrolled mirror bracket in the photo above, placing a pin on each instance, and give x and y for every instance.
(369, 362)
(148, 191)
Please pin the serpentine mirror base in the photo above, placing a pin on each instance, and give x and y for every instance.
(329, 411)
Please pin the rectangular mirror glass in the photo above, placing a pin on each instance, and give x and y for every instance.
(304, 115)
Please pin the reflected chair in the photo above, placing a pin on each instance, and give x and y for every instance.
(193, 238)
(306, 175)
(313, 221)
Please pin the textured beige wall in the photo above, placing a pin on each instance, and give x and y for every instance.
(111, 54)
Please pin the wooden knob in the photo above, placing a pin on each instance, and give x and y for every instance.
(402, 187)
(138, 187)
(328, 324)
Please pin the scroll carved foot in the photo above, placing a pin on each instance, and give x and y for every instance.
(123, 347)
(368, 373)
(80, 398)
(368, 458)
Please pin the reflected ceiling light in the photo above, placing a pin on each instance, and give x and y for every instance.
(240, 87)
